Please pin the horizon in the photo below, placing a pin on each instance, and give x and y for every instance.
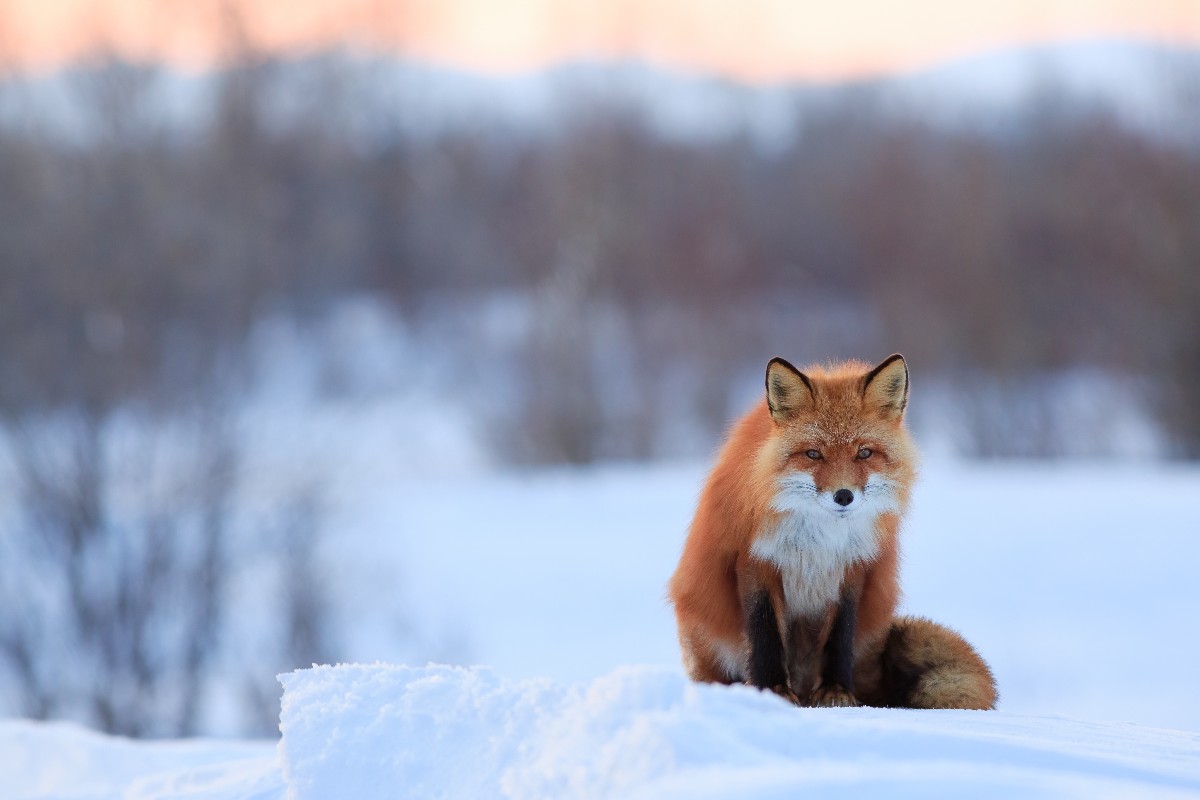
(871, 39)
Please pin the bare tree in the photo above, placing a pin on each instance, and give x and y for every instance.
(117, 569)
(123, 364)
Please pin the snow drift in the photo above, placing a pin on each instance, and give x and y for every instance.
(385, 731)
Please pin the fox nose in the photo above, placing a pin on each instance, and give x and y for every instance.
(843, 497)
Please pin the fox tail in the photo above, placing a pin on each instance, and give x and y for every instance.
(917, 663)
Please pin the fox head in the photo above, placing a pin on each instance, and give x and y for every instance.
(840, 444)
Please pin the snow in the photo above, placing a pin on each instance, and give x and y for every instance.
(383, 731)
(650, 733)
(61, 760)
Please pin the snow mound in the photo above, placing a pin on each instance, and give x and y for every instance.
(382, 731)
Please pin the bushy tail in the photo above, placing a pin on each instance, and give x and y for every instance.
(920, 664)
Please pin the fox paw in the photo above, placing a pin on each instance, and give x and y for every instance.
(832, 696)
(787, 694)
(783, 691)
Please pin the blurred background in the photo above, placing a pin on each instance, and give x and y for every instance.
(256, 256)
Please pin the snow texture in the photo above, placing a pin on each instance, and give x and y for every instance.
(385, 731)
(380, 731)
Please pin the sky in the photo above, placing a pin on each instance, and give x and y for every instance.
(756, 40)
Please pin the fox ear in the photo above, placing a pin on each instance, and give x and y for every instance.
(788, 390)
(886, 387)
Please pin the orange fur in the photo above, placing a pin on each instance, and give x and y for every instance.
(831, 412)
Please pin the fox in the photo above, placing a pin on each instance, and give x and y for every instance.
(789, 576)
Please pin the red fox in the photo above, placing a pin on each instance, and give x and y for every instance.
(788, 579)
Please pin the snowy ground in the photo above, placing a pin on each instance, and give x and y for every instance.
(380, 731)
(1076, 582)
(61, 760)
(646, 733)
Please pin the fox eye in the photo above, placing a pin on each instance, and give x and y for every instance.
(864, 452)
(814, 454)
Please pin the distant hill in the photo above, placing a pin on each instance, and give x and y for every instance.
(1145, 85)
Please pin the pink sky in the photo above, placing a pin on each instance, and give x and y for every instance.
(753, 39)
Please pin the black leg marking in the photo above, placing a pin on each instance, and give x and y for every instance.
(839, 663)
(766, 645)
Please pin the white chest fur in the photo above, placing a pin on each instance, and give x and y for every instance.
(812, 547)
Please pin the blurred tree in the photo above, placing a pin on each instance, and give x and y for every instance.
(118, 611)
(1059, 240)
(124, 317)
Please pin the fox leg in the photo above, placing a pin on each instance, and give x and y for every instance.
(790, 670)
(837, 679)
(837, 686)
(766, 668)
(765, 665)
(916, 663)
